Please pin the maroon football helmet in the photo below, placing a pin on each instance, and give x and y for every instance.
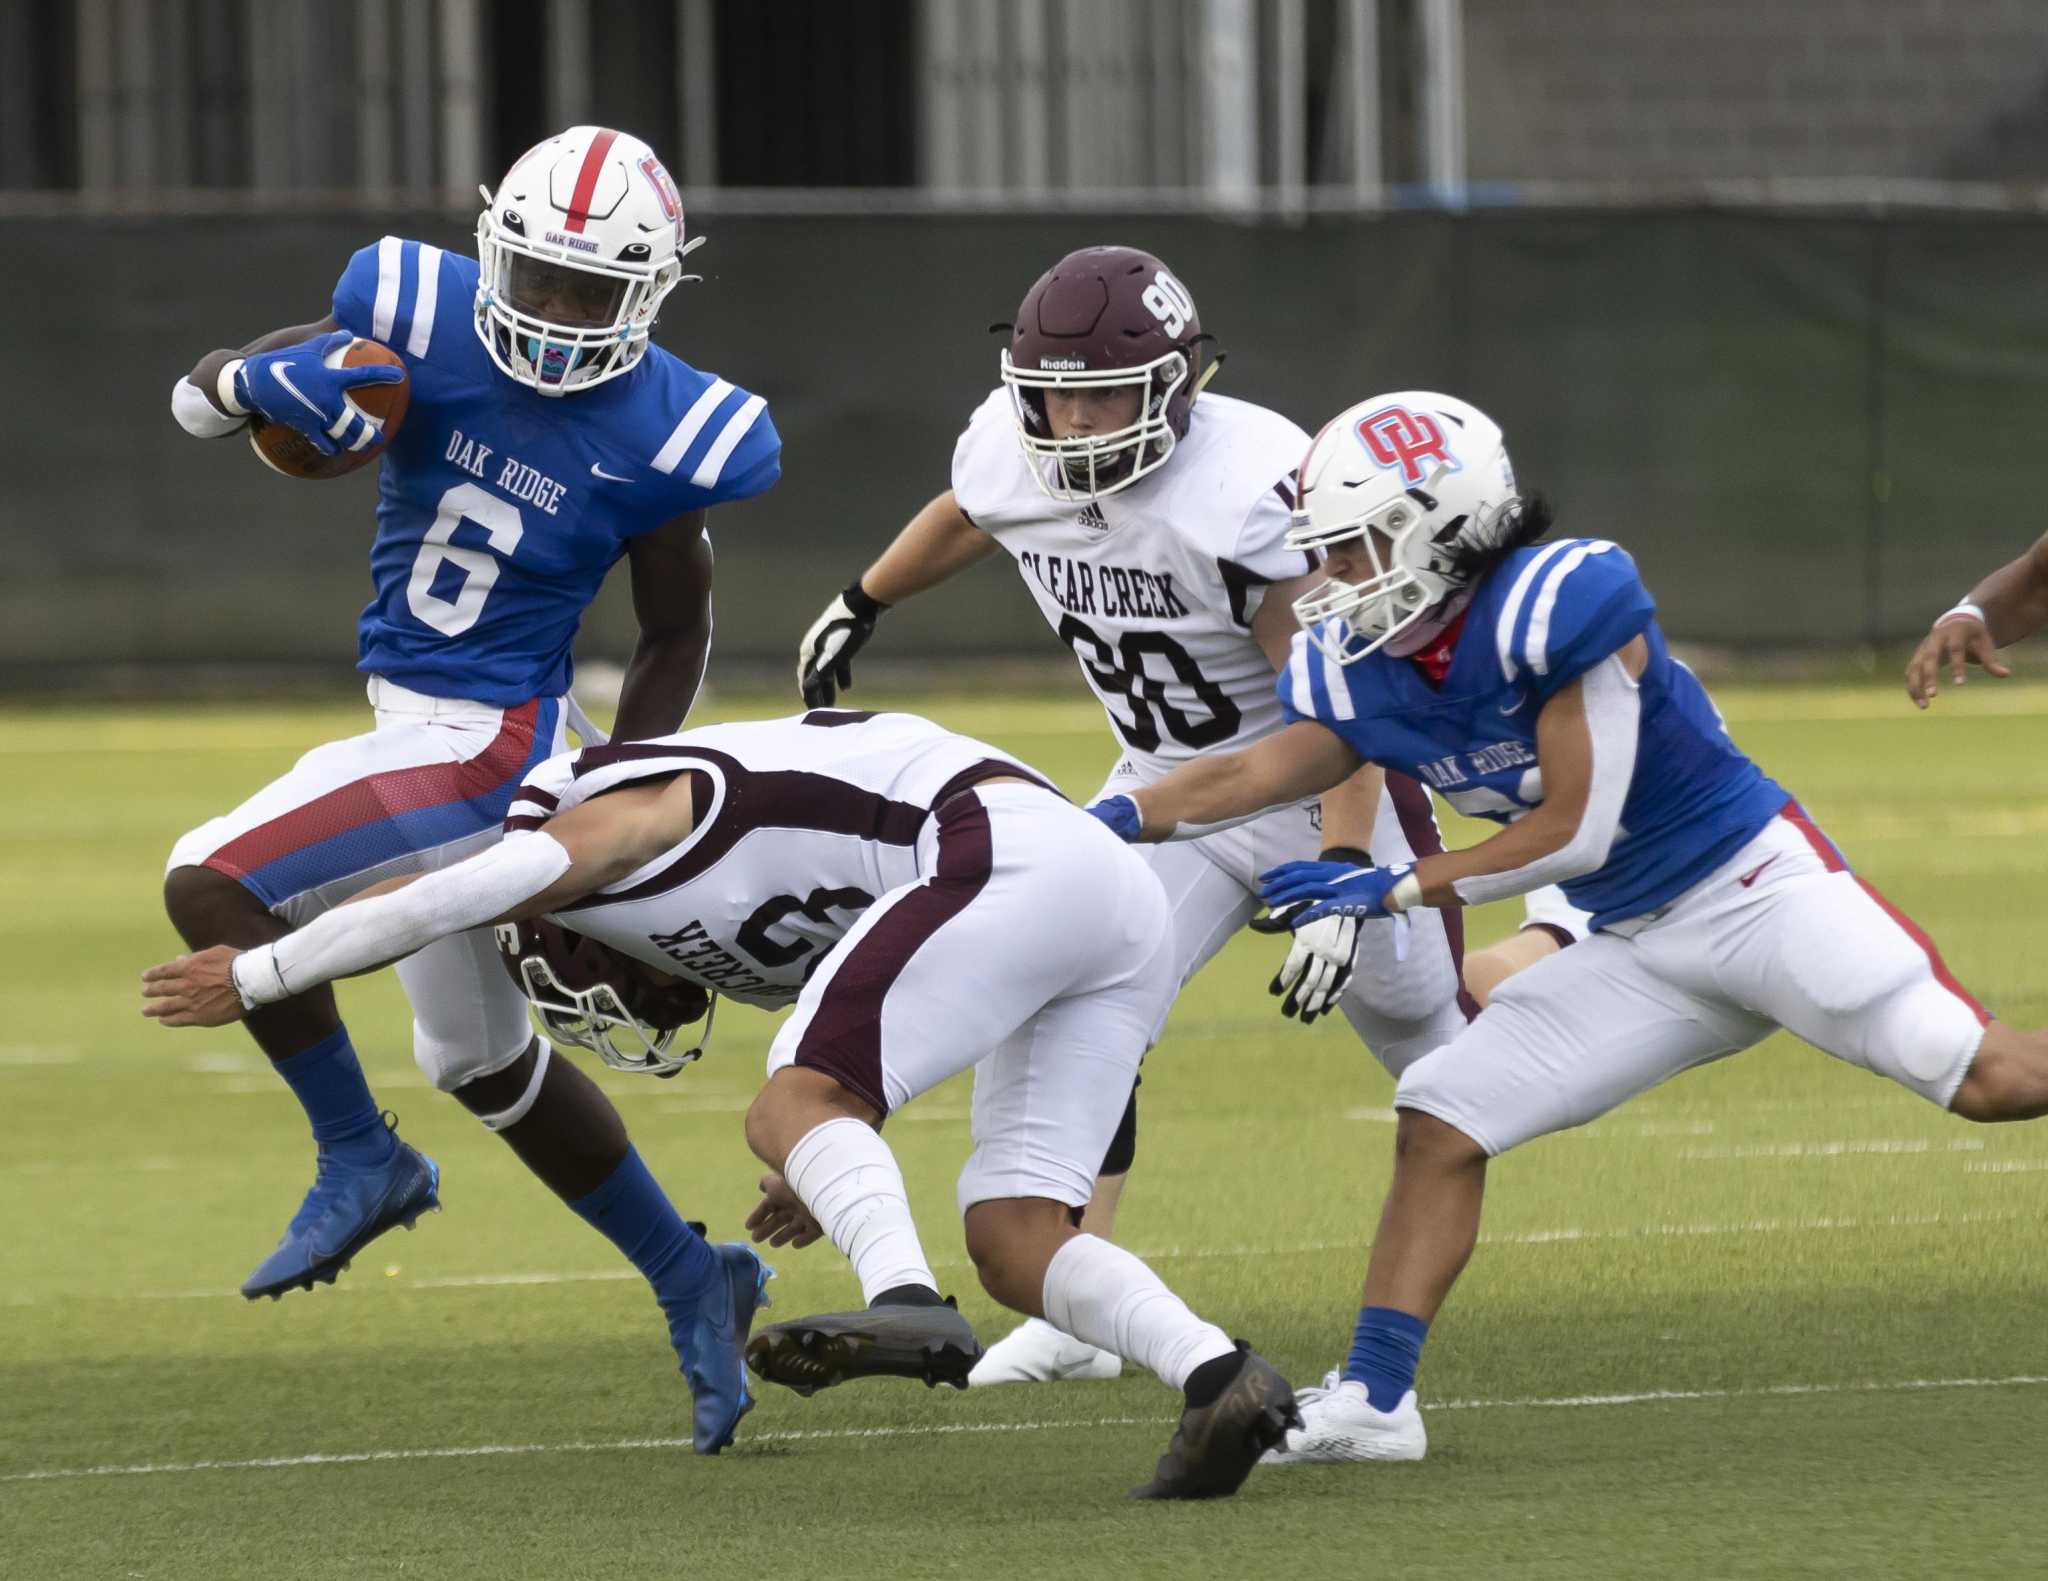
(1104, 318)
(624, 1011)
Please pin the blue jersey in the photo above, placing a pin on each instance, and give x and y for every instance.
(1539, 621)
(499, 509)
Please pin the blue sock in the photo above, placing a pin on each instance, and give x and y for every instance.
(632, 1212)
(1384, 1351)
(330, 1087)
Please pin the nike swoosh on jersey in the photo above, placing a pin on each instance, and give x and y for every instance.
(1514, 707)
(1751, 876)
(597, 471)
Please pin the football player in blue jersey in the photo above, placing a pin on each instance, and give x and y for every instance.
(1529, 684)
(547, 438)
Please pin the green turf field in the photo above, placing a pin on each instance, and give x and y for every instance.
(1775, 1319)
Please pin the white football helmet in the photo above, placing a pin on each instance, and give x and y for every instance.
(1426, 481)
(577, 248)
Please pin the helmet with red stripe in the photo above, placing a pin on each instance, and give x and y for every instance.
(577, 248)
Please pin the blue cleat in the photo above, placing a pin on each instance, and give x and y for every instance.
(711, 1339)
(349, 1206)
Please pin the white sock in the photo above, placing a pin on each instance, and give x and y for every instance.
(845, 1174)
(1100, 1293)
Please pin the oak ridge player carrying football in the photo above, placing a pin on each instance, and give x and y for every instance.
(1720, 912)
(547, 438)
(1149, 518)
(929, 905)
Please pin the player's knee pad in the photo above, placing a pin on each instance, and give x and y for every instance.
(1922, 1035)
(454, 1062)
(1123, 1147)
(519, 1105)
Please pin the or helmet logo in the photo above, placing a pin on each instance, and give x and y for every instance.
(1396, 437)
(1168, 301)
(664, 189)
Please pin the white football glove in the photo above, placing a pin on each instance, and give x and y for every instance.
(824, 660)
(1318, 965)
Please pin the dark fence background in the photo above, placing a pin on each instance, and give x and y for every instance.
(1810, 431)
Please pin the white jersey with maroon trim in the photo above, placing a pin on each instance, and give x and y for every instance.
(1154, 587)
(802, 823)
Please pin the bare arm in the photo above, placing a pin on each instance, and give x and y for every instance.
(1571, 831)
(939, 542)
(671, 569)
(578, 853)
(2014, 601)
(1351, 809)
(1220, 788)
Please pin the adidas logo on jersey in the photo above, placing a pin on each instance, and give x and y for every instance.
(1091, 518)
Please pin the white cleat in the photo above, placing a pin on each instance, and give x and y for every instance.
(1338, 1424)
(1036, 1352)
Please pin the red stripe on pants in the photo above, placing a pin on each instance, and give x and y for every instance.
(379, 796)
(1831, 859)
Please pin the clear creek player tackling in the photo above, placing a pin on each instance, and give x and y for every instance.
(1149, 521)
(547, 439)
(930, 905)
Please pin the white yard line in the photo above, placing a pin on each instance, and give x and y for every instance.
(948, 1429)
(1853, 1147)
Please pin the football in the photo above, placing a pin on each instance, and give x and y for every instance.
(285, 449)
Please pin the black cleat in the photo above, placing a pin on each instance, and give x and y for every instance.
(934, 1343)
(1216, 1445)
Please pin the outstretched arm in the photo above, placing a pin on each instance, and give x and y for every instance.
(1586, 748)
(1223, 788)
(939, 542)
(1350, 809)
(527, 875)
(2008, 605)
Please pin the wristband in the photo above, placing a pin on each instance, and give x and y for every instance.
(1966, 610)
(224, 387)
(861, 603)
(1346, 853)
(1406, 894)
(256, 977)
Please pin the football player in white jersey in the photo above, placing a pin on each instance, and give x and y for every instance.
(873, 870)
(1148, 519)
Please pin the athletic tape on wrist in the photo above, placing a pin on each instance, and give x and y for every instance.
(224, 387)
(256, 977)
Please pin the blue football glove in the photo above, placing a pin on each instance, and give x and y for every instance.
(1330, 889)
(296, 386)
(1119, 815)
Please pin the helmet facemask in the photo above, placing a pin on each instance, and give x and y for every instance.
(597, 1018)
(523, 286)
(1089, 466)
